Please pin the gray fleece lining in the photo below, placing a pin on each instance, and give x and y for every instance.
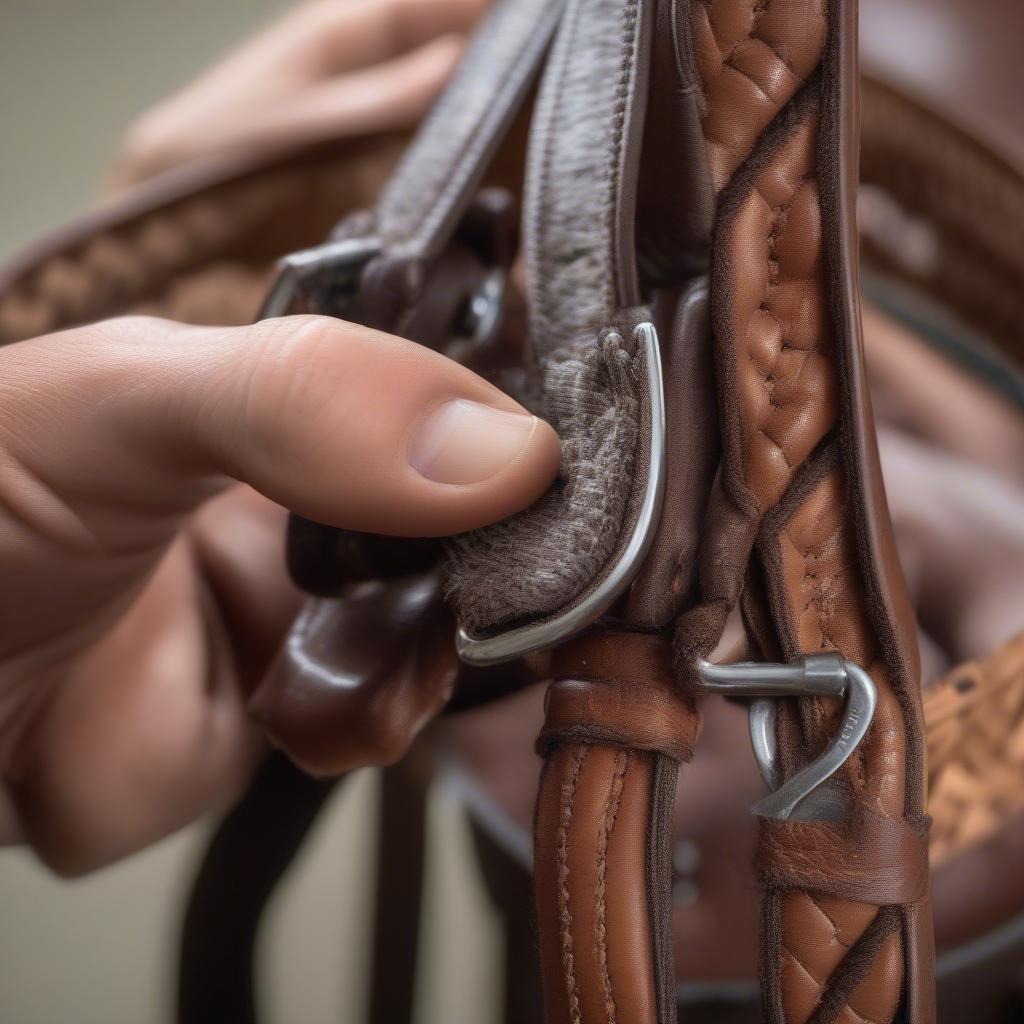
(537, 562)
(592, 379)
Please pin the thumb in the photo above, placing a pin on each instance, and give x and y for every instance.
(344, 425)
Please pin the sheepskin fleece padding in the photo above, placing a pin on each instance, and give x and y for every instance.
(534, 563)
(592, 381)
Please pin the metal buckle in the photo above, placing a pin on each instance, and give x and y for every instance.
(343, 260)
(815, 675)
(534, 636)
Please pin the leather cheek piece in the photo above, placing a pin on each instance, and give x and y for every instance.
(617, 690)
(870, 858)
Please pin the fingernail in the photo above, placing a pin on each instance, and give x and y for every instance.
(464, 442)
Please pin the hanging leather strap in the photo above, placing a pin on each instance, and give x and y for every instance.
(616, 725)
(418, 210)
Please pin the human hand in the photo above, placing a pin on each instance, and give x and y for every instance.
(328, 68)
(145, 589)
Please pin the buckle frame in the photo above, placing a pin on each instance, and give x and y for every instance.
(814, 675)
(344, 260)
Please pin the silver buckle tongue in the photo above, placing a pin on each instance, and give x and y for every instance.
(816, 675)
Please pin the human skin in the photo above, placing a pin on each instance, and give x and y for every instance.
(145, 585)
(145, 469)
(146, 589)
(327, 68)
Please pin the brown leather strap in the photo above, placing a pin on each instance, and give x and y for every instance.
(616, 726)
(870, 858)
(617, 689)
(601, 866)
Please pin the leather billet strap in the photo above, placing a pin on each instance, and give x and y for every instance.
(616, 725)
(418, 210)
(799, 505)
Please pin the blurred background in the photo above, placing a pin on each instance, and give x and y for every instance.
(73, 75)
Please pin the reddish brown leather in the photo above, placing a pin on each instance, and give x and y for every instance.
(870, 858)
(616, 727)
(751, 59)
(619, 688)
(787, 335)
(359, 677)
(592, 900)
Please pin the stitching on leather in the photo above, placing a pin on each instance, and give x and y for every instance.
(611, 813)
(822, 598)
(835, 928)
(819, 583)
(804, 969)
(822, 603)
(567, 798)
(541, 219)
(626, 71)
(776, 232)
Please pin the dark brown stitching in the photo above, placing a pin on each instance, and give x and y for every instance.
(611, 813)
(626, 71)
(567, 797)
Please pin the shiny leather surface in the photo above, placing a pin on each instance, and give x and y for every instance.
(360, 676)
(592, 911)
(615, 729)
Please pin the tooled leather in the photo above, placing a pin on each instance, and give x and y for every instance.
(785, 370)
(785, 374)
(818, 561)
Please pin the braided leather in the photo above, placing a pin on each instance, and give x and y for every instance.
(975, 725)
(827, 958)
(204, 256)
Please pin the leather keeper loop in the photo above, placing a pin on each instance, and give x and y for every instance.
(631, 715)
(615, 657)
(870, 859)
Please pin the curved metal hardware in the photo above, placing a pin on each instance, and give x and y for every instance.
(485, 307)
(534, 636)
(816, 675)
(761, 723)
(344, 259)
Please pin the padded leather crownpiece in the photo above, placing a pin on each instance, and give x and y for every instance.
(584, 300)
